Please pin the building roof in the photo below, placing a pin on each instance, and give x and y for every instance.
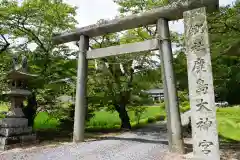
(15, 74)
(155, 91)
(65, 99)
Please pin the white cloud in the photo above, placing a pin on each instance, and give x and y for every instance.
(90, 11)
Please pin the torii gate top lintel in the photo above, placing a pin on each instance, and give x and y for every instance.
(173, 11)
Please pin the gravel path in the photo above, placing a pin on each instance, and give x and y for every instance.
(145, 144)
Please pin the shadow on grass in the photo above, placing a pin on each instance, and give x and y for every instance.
(226, 143)
(52, 135)
(95, 133)
(228, 140)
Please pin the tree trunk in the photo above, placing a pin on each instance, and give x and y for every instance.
(31, 109)
(123, 115)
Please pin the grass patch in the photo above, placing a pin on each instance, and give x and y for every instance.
(229, 123)
(3, 107)
(106, 120)
(43, 122)
(101, 120)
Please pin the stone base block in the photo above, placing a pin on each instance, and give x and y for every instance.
(17, 139)
(28, 138)
(12, 146)
(7, 143)
(14, 122)
(15, 131)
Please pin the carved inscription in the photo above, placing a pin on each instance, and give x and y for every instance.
(199, 65)
(202, 105)
(196, 28)
(200, 85)
(205, 145)
(204, 124)
(197, 45)
(196, 25)
(202, 88)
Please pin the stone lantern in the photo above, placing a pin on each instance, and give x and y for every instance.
(14, 129)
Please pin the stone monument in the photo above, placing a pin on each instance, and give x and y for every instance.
(201, 90)
(14, 129)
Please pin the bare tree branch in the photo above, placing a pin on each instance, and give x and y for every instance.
(6, 45)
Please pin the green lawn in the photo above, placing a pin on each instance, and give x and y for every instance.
(3, 107)
(44, 121)
(110, 119)
(229, 123)
(228, 120)
(102, 119)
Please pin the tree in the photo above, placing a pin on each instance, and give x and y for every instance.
(135, 6)
(224, 31)
(27, 29)
(122, 79)
(118, 86)
(4, 44)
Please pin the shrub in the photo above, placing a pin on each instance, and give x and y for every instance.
(138, 112)
(44, 121)
(133, 124)
(182, 97)
(143, 121)
(151, 119)
(160, 117)
(162, 105)
(4, 107)
(184, 106)
(157, 102)
(2, 115)
(66, 122)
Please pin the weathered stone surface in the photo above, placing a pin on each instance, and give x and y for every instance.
(17, 141)
(185, 118)
(17, 92)
(15, 113)
(201, 91)
(15, 131)
(172, 11)
(186, 124)
(9, 140)
(14, 122)
(28, 138)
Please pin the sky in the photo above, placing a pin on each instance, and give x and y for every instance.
(90, 11)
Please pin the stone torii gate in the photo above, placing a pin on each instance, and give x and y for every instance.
(200, 80)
